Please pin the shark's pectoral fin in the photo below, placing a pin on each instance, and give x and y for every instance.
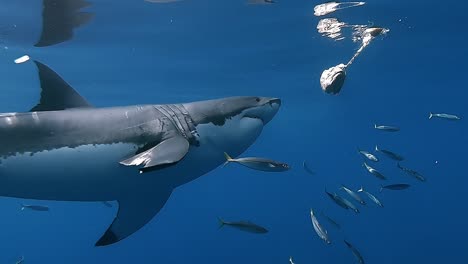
(134, 212)
(168, 152)
(56, 94)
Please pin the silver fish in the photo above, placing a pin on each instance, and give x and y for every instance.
(353, 194)
(337, 199)
(34, 207)
(444, 116)
(395, 187)
(374, 172)
(372, 197)
(411, 172)
(260, 164)
(350, 205)
(390, 154)
(246, 226)
(356, 253)
(291, 260)
(368, 155)
(321, 232)
(387, 128)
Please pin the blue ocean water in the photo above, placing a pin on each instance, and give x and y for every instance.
(135, 52)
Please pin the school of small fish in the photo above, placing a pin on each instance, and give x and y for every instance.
(331, 81)
(355, 196)
(268, 165)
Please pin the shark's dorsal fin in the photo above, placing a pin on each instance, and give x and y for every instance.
(56, 94)
(59, 18)
(134, 212)
(168, 152)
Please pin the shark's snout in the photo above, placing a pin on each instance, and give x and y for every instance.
(275, 102)
(272, 107)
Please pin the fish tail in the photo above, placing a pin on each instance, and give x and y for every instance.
(376, 148)
(311, 212)
(228, 159)
(375, 125)
(381, 188)
(430, 115)
(22, 207)
(361, 189)
(221, 222)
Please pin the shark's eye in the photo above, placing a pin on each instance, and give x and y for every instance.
(257, 99)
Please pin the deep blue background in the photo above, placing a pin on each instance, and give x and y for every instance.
(132, 53)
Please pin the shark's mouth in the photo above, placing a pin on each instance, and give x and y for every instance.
(253, 117)
(264, 111)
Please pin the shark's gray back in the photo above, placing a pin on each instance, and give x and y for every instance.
(38, 131)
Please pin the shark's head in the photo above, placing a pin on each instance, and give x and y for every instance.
(218, 112)
(232, 124)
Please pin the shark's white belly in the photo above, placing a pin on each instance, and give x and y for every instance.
(83, 173)
(93, 172)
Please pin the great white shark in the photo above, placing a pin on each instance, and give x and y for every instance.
(67, 150)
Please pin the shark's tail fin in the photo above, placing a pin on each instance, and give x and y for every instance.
(221, 222)
(228, 159)
(430, 115)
